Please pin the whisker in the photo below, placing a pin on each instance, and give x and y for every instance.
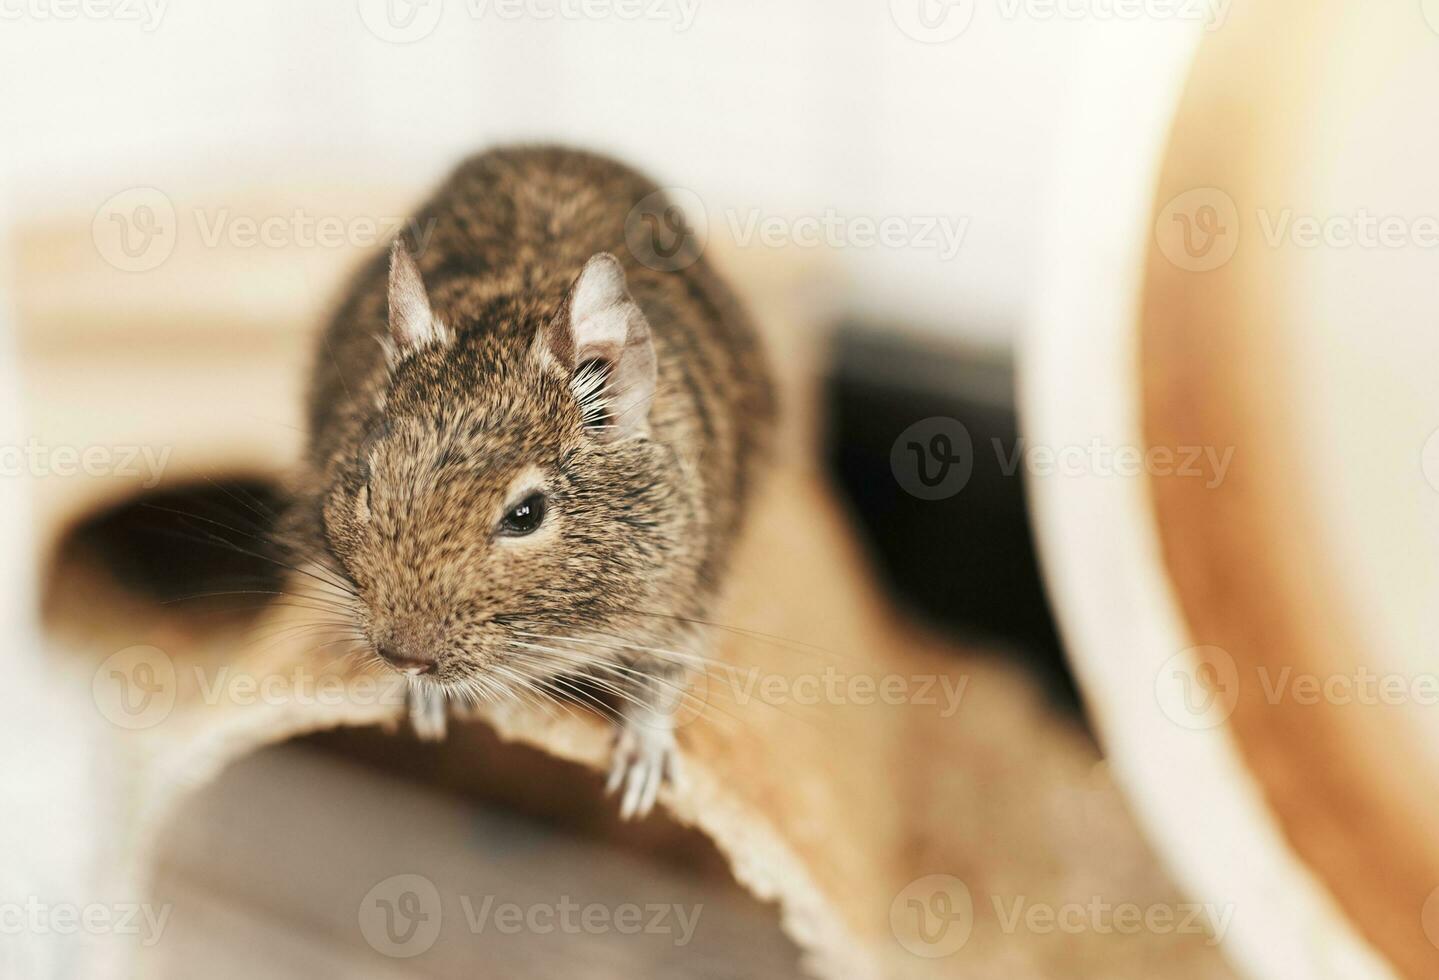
(694, 660)
(218, 540)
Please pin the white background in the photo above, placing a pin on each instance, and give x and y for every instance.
(787, 108)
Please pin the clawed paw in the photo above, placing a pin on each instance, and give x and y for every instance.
(644, 760)
(427, 713)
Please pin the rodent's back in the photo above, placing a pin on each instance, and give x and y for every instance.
(498, 246)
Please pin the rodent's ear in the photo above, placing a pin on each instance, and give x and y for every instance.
(599, 335)
(412, 322)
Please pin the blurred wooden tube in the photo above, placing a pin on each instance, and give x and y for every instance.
(1186, 309)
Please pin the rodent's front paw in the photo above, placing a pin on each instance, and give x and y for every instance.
(644, 758)
(427, 713)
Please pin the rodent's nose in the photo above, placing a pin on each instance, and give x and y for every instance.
(406, 663)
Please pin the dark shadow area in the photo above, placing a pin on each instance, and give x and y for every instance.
(196, 554)
(965, 562)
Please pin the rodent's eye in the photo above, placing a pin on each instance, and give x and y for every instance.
(525, 516)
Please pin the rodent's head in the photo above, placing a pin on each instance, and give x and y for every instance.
(507, 510)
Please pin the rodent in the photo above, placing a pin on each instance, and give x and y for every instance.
(530, 448)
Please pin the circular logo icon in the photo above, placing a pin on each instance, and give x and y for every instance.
(400, 917)
(135, 688)
(695, 700)
(1198, 231)
(1431, 13)
(1198, 688)
(1429, 460)
(135, 230)
(933, 916)
(933, 459)
(668, 229)
(1429, 918)
(401, 21)
(932, 21)
(679, 701)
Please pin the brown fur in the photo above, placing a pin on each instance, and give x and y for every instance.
(638, 532)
